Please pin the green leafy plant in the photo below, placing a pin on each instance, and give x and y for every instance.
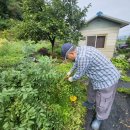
(126, 78)
(124, 90)
(13, 52)
(123, 65)
(36, 96)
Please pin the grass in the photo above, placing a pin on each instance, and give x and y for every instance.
(12, 52)
(124, 90)
(126, 78)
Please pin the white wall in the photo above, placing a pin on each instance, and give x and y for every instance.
(104, 27)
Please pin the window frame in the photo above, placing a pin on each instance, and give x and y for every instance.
(105, 35)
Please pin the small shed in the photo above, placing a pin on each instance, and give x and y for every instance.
(101, 32)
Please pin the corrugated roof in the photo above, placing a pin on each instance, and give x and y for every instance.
(115, 20)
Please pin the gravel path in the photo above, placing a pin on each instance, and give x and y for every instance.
(119, 118)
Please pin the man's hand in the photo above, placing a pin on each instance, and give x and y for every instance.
(68, 74)
(70, 79)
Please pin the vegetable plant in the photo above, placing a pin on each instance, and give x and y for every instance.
(36, 96)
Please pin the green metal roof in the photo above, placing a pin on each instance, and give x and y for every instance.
(115, 20)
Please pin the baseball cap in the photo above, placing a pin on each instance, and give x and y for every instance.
(65, 49)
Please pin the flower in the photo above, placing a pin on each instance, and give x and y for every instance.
(73, 98)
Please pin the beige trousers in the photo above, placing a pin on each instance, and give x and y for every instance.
(104, 99)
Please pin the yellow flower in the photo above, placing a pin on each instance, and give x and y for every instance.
(73, 98)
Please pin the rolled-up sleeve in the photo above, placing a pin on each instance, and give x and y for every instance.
(82, 64)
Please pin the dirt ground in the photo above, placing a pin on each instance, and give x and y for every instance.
(119, 118)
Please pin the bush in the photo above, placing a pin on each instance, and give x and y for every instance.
(121, 63)
(10, 49)
(36, 96)
(7, 23)
(123, 66)
(127, 55)
(3, 41)
(124, 51)
(11, 53)
(3, 24)
(28, 30)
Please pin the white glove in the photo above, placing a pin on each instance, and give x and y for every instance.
(68, 74)
(70, 79)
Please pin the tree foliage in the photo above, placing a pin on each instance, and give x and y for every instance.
(44, 19)
(51, 20)
(10, 9)
(75, 16)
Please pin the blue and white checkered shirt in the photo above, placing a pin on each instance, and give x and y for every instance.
(91, 62)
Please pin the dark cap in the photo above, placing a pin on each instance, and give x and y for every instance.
(65, 48)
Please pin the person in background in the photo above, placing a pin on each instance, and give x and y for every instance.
(103, 78)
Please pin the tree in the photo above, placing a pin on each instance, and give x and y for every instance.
(51, 20)
(3, 8)
(75, 16)
(10, 9)
(42, 20)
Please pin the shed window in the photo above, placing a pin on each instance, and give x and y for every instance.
(96, 41)
(91, 40)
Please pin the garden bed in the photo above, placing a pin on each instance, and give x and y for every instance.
(36, 96)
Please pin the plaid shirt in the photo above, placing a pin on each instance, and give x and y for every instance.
(92, 63)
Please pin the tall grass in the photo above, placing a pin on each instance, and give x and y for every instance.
(10, 53)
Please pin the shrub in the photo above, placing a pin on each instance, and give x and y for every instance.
(28, 30)
(124, 51)
(37, 96)
(3, 41)
(11, 53)
(3, 24)
(128, 55)
(121, 63)
(123, 66)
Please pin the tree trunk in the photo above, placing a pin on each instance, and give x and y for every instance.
(52, 43)
(52, 40)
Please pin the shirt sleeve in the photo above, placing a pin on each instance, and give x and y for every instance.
(82, 64)
(74, 67)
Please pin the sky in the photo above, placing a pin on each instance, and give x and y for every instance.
(116, 8)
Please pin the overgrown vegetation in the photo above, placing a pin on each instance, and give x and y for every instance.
(36, 95)
(11, 53)
(9, 9)
(124, 90)
(122, 63)
(125, 51)
(43, 20)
